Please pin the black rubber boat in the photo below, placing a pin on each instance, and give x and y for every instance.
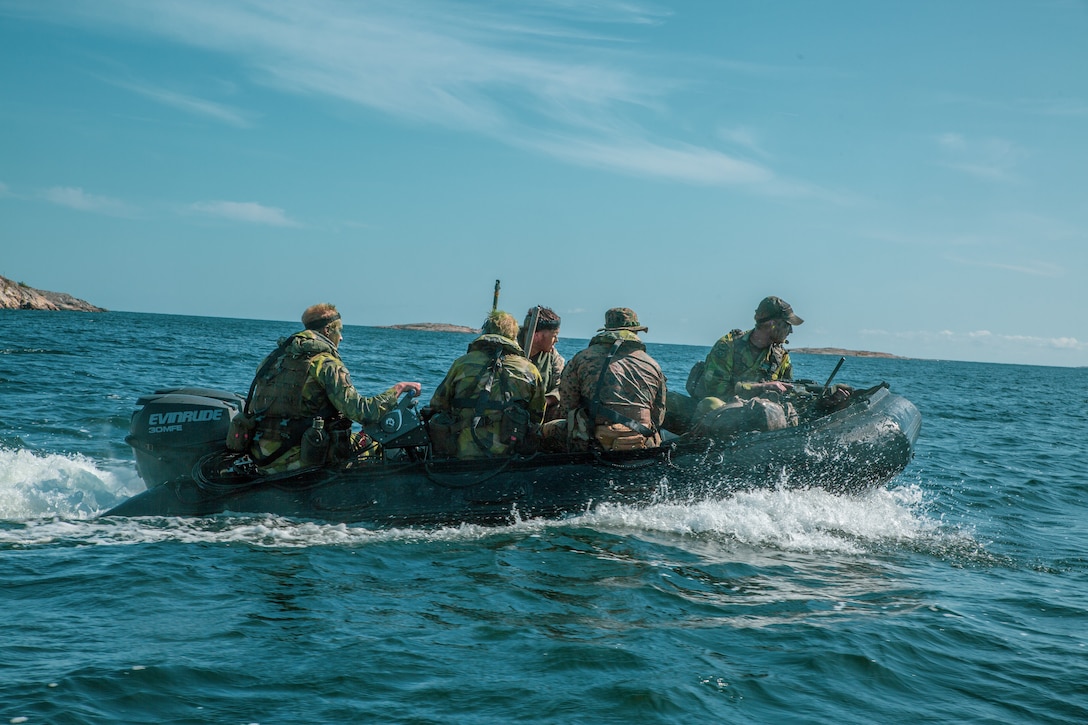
(178, 435)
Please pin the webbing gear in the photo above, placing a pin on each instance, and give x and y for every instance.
(483, 400)
(276, 389)
(273, 357)
(596, 408)
(291, 432)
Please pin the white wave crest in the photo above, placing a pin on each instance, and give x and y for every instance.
(792, 520)
(35, 485)
(783, 520)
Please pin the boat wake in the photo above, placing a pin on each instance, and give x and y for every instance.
(35, 485)
(53, 499)
(806, 520)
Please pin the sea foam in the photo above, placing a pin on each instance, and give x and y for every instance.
(35, 485)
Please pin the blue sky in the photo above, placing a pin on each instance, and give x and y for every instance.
(911, 176)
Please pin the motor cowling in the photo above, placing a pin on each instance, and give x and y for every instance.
(401, 427)
(173, 428)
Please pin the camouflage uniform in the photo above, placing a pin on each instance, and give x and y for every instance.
(733, 361)
(633, 387)
(516, 392)
(304, 379)
(550, 364)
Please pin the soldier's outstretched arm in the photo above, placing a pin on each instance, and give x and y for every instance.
(333, 375)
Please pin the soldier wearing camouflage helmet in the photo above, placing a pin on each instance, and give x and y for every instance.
(613, 392)
(492, 399)
(752, 362)
(303, 379)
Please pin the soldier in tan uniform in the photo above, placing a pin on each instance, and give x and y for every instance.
(613, 392)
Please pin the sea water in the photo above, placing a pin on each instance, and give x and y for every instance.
(958, 593)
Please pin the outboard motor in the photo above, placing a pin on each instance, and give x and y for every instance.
(402, 427)
(176, 427)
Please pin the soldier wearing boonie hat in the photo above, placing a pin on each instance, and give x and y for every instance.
(613, 393)
(622, 318)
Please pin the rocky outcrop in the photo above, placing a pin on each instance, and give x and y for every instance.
(18, 296)
(847, 353)
(433, 327)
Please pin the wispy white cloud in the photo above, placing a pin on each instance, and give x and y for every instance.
(75, 197)
(244, 211)
(1034, 268)
(187, 103)
(745, 138)
(514, 72)
(990, 159)
(983, 338)
(685, 163)
(4, 189)
(1073, 107)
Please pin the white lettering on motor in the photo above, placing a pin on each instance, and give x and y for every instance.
(203, 415)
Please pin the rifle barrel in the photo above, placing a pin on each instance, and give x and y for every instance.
(834, 373)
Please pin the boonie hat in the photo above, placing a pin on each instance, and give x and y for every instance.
(775, 308)
(622, 318)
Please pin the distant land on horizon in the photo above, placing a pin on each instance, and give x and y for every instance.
(21, 296)
(432, 327)
(848, 353)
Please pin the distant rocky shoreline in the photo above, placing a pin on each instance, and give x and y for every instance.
(20, 296)
(847, 353)
(432, 327)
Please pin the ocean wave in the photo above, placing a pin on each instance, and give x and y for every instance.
(72, 490)
(35, 485)
(32, 351)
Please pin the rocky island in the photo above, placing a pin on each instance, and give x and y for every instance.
(432, 327)
(20, 296)
(844, 353)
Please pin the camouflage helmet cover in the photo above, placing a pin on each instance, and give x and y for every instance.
(775, 308)
(500, 323)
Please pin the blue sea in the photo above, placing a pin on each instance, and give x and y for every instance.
(957, 594)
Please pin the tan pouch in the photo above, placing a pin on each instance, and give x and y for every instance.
(240, 433)
(618, 437)
(440, 429)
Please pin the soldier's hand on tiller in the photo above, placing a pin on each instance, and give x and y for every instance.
(416, 388)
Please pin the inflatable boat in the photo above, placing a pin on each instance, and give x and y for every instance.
(178, 438)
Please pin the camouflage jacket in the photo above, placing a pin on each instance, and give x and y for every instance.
(633, 387)
(516, 383)
(733, 360)
(302, 379)
(550, 364)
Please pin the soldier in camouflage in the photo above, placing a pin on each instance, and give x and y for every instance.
(543, 354)
(750, 363)
(616, 386)
(492, 399)
(302, 379)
